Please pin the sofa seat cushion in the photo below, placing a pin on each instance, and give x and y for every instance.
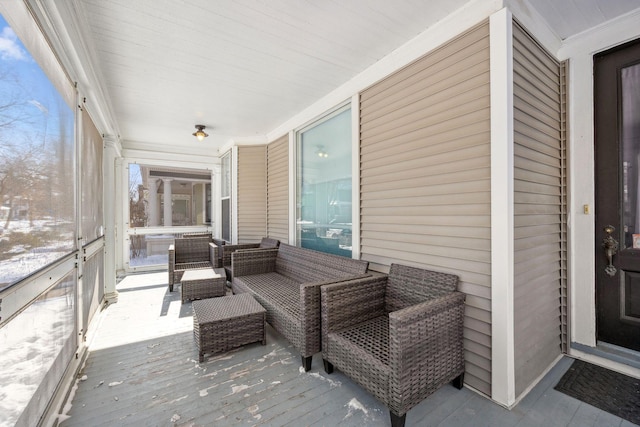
(192, 265)
(274, 290)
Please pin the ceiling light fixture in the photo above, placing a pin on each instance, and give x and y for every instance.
(321, 153)
(200, 133)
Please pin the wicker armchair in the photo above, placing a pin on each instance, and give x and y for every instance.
(227, 250)
(189, 253)
(398, 335)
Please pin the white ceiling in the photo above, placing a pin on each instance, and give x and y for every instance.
(244, 67)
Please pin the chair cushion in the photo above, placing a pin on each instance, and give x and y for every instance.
(267, 242)
(362, 353)
(371, 337)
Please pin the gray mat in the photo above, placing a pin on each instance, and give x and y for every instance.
(610, 391)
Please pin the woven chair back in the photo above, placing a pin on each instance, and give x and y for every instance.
(407, 286)
(306, 265)
(192, 249)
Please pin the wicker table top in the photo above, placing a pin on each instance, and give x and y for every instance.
(203, 274)
(217, 309)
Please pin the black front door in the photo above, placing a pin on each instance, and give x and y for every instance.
(617, 184)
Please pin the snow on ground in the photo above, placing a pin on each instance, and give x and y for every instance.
(27, 260)
(31, 343)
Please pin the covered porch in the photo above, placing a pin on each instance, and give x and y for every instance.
(466, 145)
(143, 369)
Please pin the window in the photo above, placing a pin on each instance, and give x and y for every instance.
(37, 182)
(323, 191)
(226, 196)
(150, 187)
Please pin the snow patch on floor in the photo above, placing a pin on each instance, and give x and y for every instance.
(331, 382)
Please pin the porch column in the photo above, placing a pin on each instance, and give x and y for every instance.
(111, 154)
(168, 218)
(502, 232)
(154, 211)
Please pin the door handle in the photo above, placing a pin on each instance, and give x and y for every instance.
(610, 246)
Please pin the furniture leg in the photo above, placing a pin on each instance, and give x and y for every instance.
(328, 366)
(397, 420)
(458, 382)
(306, 362)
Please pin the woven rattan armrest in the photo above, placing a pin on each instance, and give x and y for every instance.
(214, 255)
(310, 302)
(426, 311)
(172, 255)
(172, 265)
(352, 302)
(420, 336)
(253, 262)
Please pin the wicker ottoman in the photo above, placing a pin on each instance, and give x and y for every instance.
(220, 324)
(203, 283)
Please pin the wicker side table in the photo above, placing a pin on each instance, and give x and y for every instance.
(203, 283)
(220, 324)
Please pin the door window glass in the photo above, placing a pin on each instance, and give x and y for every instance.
(630, 82)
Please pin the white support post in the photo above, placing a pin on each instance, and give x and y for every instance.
(111, 153)
(502, 231)
(168, 213)
(154, 210)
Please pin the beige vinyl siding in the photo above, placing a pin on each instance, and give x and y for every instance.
(278, 189)
(425, 178)
(539, 198)
(252, 193)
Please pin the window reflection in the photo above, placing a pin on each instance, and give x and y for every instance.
(324, 193)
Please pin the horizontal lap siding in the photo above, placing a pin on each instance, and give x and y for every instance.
(278, 189)
(425, 178)
(538, 209)
(252, 194)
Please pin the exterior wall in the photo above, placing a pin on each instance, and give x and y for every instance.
(252, 193)
(539, 214)
(425, 178)
(278, 189)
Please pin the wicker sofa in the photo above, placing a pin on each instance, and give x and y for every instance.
(398, 335)
(190, 253)
(286, 282)
(227, 250)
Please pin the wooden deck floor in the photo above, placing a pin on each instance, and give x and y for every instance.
(143, 370)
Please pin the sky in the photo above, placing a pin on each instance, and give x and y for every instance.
(39, 103)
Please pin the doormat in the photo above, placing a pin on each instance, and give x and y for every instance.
(610, 391)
